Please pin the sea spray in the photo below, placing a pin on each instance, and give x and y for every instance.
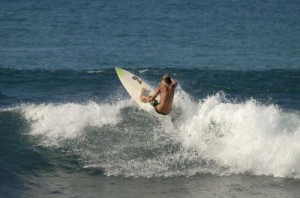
(213, 135)
(64, 121)
(244, 137)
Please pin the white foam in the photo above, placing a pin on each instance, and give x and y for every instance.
(62, 121)
(95, 71)
(143, 71)
(226, 136)
(244, 137)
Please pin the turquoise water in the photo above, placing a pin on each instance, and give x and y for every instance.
(69, 129)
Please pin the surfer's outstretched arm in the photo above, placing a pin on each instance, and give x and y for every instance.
(149, 98)
(174, 82)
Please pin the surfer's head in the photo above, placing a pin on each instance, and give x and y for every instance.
(167, 79)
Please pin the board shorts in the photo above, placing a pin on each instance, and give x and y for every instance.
(154, 103)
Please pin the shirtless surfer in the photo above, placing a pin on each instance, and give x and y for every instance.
(166, 91)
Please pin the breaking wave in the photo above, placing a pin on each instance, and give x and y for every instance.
(214, 135)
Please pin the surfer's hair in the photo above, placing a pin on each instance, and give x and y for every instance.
(167, 79)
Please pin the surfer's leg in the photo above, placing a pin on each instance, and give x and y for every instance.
(155, 108)
(154, 103)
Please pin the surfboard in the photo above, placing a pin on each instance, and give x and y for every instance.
(133, 85)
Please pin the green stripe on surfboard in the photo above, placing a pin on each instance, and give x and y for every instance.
(119, 71)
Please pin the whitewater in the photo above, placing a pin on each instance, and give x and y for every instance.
(214, 135)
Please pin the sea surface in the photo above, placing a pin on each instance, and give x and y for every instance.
(68, 128)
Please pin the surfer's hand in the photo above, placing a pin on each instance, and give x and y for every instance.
(142, 97)
(143, 91)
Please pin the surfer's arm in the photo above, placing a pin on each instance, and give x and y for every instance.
(149, 98)
(174, 82)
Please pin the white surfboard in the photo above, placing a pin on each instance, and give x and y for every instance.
(133, 85)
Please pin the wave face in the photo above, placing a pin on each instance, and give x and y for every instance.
(213, 135)
(84, 118)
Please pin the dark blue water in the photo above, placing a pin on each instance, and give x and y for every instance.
(200, 34)
(69, 129)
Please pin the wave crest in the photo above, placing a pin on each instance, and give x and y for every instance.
(65, 121)
(244, 137)
(213, 135)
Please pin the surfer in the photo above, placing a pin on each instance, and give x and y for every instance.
(166, 91)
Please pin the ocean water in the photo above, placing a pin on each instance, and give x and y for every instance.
(68, 128)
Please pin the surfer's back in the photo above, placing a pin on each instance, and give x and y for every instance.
(167, 92)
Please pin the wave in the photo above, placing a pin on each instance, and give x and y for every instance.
(143, 71)
(95, 71)
(2, 96)
(214, 135)
(245, 137)
(55, 122)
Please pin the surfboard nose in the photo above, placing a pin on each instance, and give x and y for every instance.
(119, 71)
